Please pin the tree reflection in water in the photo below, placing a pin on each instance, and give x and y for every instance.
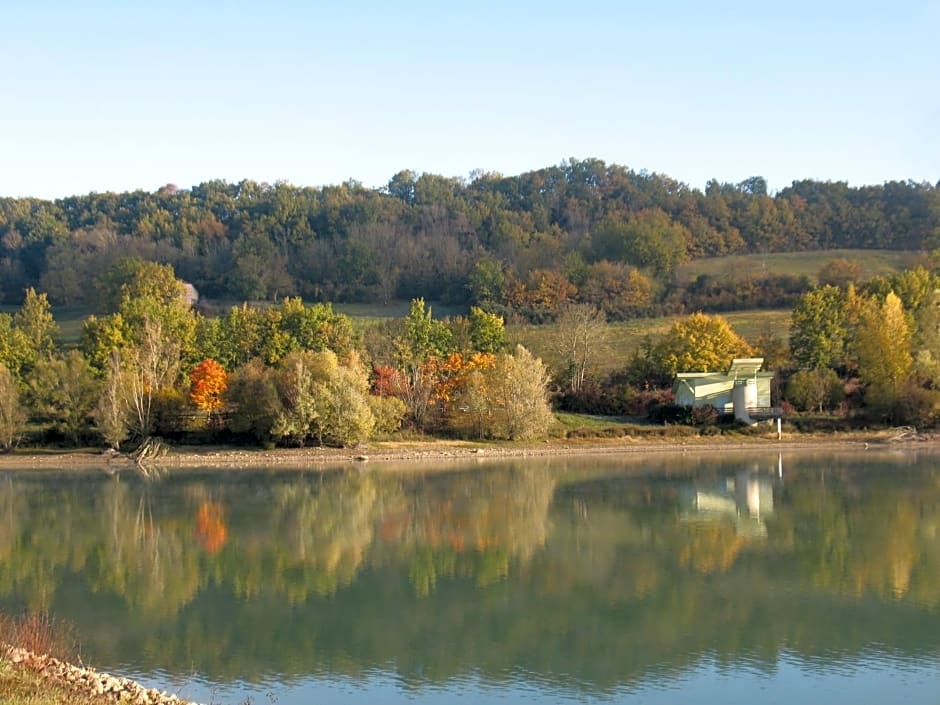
(594, 574)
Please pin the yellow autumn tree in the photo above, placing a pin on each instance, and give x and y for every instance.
(883, 349)
(699, 343)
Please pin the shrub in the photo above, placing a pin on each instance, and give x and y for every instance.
(389, 412)
(669, 412)
(816, 389)
(40, 634)
(706, 415)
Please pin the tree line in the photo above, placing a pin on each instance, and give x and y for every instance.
(285, 374)
(295, 373)
(583, 232)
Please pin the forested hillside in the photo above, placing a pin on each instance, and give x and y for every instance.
(582, 231)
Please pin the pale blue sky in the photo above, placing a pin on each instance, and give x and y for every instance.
(113, 96)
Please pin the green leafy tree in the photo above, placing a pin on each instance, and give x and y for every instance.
(12, 415)
(699, 343)
(818, 329)
(926, 345)
(322, 398)
(134, 278)
(14, 346)
(817, 390)
(914, 287)
(486, 281)
(316, 327)
(423, 337)
(35, 321)
(253, 398)
(487, 331)
(296, 383)
(345, 417)
(101, 338)
(388, 412)
(649, 238)
(62, 391)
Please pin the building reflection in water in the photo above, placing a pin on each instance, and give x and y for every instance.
(746, 498)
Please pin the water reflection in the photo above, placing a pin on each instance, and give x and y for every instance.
(747, 499)
(592, 578)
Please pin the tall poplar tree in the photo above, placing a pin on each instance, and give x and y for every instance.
(883, 349)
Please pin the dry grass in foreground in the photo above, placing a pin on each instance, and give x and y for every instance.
(35, 670)
(23, 686)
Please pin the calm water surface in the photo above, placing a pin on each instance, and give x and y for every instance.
(696, 579)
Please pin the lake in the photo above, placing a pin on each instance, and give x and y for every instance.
(693, 578)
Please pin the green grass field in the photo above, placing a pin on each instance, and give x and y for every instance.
(873, 263)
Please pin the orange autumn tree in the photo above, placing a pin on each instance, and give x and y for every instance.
(207, 383)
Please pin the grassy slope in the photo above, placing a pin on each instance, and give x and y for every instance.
(873, 263)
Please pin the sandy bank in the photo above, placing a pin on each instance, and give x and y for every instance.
(442, 450)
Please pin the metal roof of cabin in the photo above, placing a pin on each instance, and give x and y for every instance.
(745, 367)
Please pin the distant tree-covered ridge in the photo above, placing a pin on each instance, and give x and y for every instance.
(580, 232)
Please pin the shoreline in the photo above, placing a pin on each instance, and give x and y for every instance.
(418, 452)
(86, 682)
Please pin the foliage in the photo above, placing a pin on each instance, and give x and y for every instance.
(101, 338)
(818, 390)
(422, 338)
(271, 333)
(839, 272)
(151, 365)
(738, 291)
(12, 415)
(253, 397)
(883, 348)
(580, 338)
(14, 346)
(699, 343)
(818, 329)
(28, 335)
(523, 383)
(388, 412)
(35, 321)
(668, 412)
(322, 398)
(705, 415)
(512, 242)
(135, 278)
(487, 331)
(648, 238)
(62, 390)
(207, 384)
(112, 411)
(619, 290)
